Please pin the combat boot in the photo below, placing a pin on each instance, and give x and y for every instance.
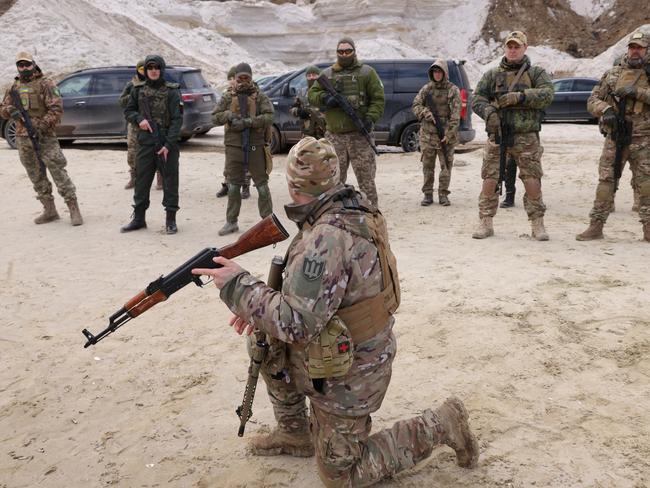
(537, 229)
(646, 231)
(454, 420)
(427, 200)
(508, 201)
(159, 181)
(170, 223)
(136, 223)
(277, 442)
(131, 182)
(245, 192)
(484, 228)
(75, 213)
(444, 200)
(594, 231)
(228, 228)
(49, 213)
(223, 191)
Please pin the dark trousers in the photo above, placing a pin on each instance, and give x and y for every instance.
(511, 175)
(146, 164)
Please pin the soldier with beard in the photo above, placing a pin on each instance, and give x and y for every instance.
(442, 98)
(630, 80)
(163, 100)
(42, 101)
(251, 126)
(361, 85)
(313, 121)
(515, 93)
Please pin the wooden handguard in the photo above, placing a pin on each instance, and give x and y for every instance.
(146, 303)
(268, 231)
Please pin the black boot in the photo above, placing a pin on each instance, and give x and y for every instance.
(170, 223)
(136, 223)
(508, 201)
(245, 192)
(223, 191)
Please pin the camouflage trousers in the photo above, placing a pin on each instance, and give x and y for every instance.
(527, 152)
(346, 454)
(446, 162)
(132, 146)
(54, 161)
(638, 155)
(353, 149)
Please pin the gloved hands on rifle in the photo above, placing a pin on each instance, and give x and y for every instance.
(238, 124)
(428, 116)
(626, 92)
(609, 117)
(368, 124)
(492, 122)
(510, 99)
(330, 101)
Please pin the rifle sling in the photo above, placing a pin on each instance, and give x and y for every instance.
(516, 79)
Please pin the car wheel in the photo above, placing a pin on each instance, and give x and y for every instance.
(276, 141)
(66, 142)
(10, 133)
(410, 140)
(184, 139)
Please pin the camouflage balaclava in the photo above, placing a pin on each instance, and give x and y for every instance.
(311, 70)
(160, 62)
(139, 70)
(25, 57)
(345, 62)
(312, 166)
(245, 86)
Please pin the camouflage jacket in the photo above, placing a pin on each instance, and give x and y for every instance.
(535, 84)
(312, 119)
(447, 105)
(637, 110)
(260, 120)
(124, 96)
(361, 84)
(41, 98)
(337, 245)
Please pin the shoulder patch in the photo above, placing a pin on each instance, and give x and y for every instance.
(172, 85)
(313, 268)
(55, 91)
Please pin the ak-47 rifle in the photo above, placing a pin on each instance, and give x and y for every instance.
(246, 133)
(267, 231)
(349, 110)
(258, 352)
(505, 139)
(440, 129)
(622, 135)
(31, 130)
(159, 140)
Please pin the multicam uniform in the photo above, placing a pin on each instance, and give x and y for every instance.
(312, 119)
(42, 100)
(365, 91)
(638, 152)
(131, 129)
(527, 151)
(444, 98)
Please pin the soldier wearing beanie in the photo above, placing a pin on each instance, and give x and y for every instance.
(311, 118)
(361, 85)
(132, 129)
(331, 323)
(40, 98)
(247, 113)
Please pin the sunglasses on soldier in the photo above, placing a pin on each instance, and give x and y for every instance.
(23, 64)
(344, 51)
(152, 67)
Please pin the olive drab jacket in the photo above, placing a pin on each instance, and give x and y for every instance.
(41, 98)
(637, 110)
(534, 83)
(361, 85)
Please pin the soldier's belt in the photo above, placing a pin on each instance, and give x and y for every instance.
(369, 317)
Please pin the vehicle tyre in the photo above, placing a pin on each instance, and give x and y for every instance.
(410, 140)
(276, 141)
(9, 133)
(184, 139)
(66, 142)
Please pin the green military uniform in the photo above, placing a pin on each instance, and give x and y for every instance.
(256, 119)
(164, 100)
(312, 120)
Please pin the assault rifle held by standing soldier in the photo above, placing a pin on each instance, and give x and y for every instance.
(29, 126)
(622, 135)
(440, 129)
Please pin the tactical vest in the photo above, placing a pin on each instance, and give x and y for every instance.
(438, 100)
(637, 78)
(158, 103)
(503, 80)
(31, 97)
(347, 84)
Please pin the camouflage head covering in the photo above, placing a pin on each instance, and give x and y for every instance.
(518, 37)
(312, 70)
(231, 72)
(440, 64)
(312, 166)
(639, 38)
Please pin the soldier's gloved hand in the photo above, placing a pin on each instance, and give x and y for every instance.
(248, 122)
(626, 91)
(368, 124)
(303, 114)
(609, 117)
(229, 115)
(492, 123)
(237, 124)
(330, 101)
(510, 99)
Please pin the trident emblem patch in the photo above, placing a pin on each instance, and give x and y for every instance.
(312, 268)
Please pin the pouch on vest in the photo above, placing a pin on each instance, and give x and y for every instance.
(275, 361)
(330, 354)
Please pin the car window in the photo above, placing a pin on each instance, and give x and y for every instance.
(193, 80)
(562, 85)
(584, 85)
(410, 77)
(298, 85)
(173, 77)
(385, 73)
(110, 83)
(77, 86)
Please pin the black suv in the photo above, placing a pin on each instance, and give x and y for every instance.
(91, 108)
(402, 81)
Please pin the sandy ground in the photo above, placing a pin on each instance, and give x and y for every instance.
(547, 343)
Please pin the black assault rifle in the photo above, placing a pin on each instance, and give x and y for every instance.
(439, 127)
(158, 139)
(246, 133)
(505, 139)
(622, 136)
(267, 231)
(31, 130)
(349, 110)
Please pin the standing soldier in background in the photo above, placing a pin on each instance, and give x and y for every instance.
(628, 83)
(438, 102)
(40, 98)
(361, 85)
(131, 129)
(511, 99)
(157, 109)
(246, 127)
(246, 189)
(313, 121)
